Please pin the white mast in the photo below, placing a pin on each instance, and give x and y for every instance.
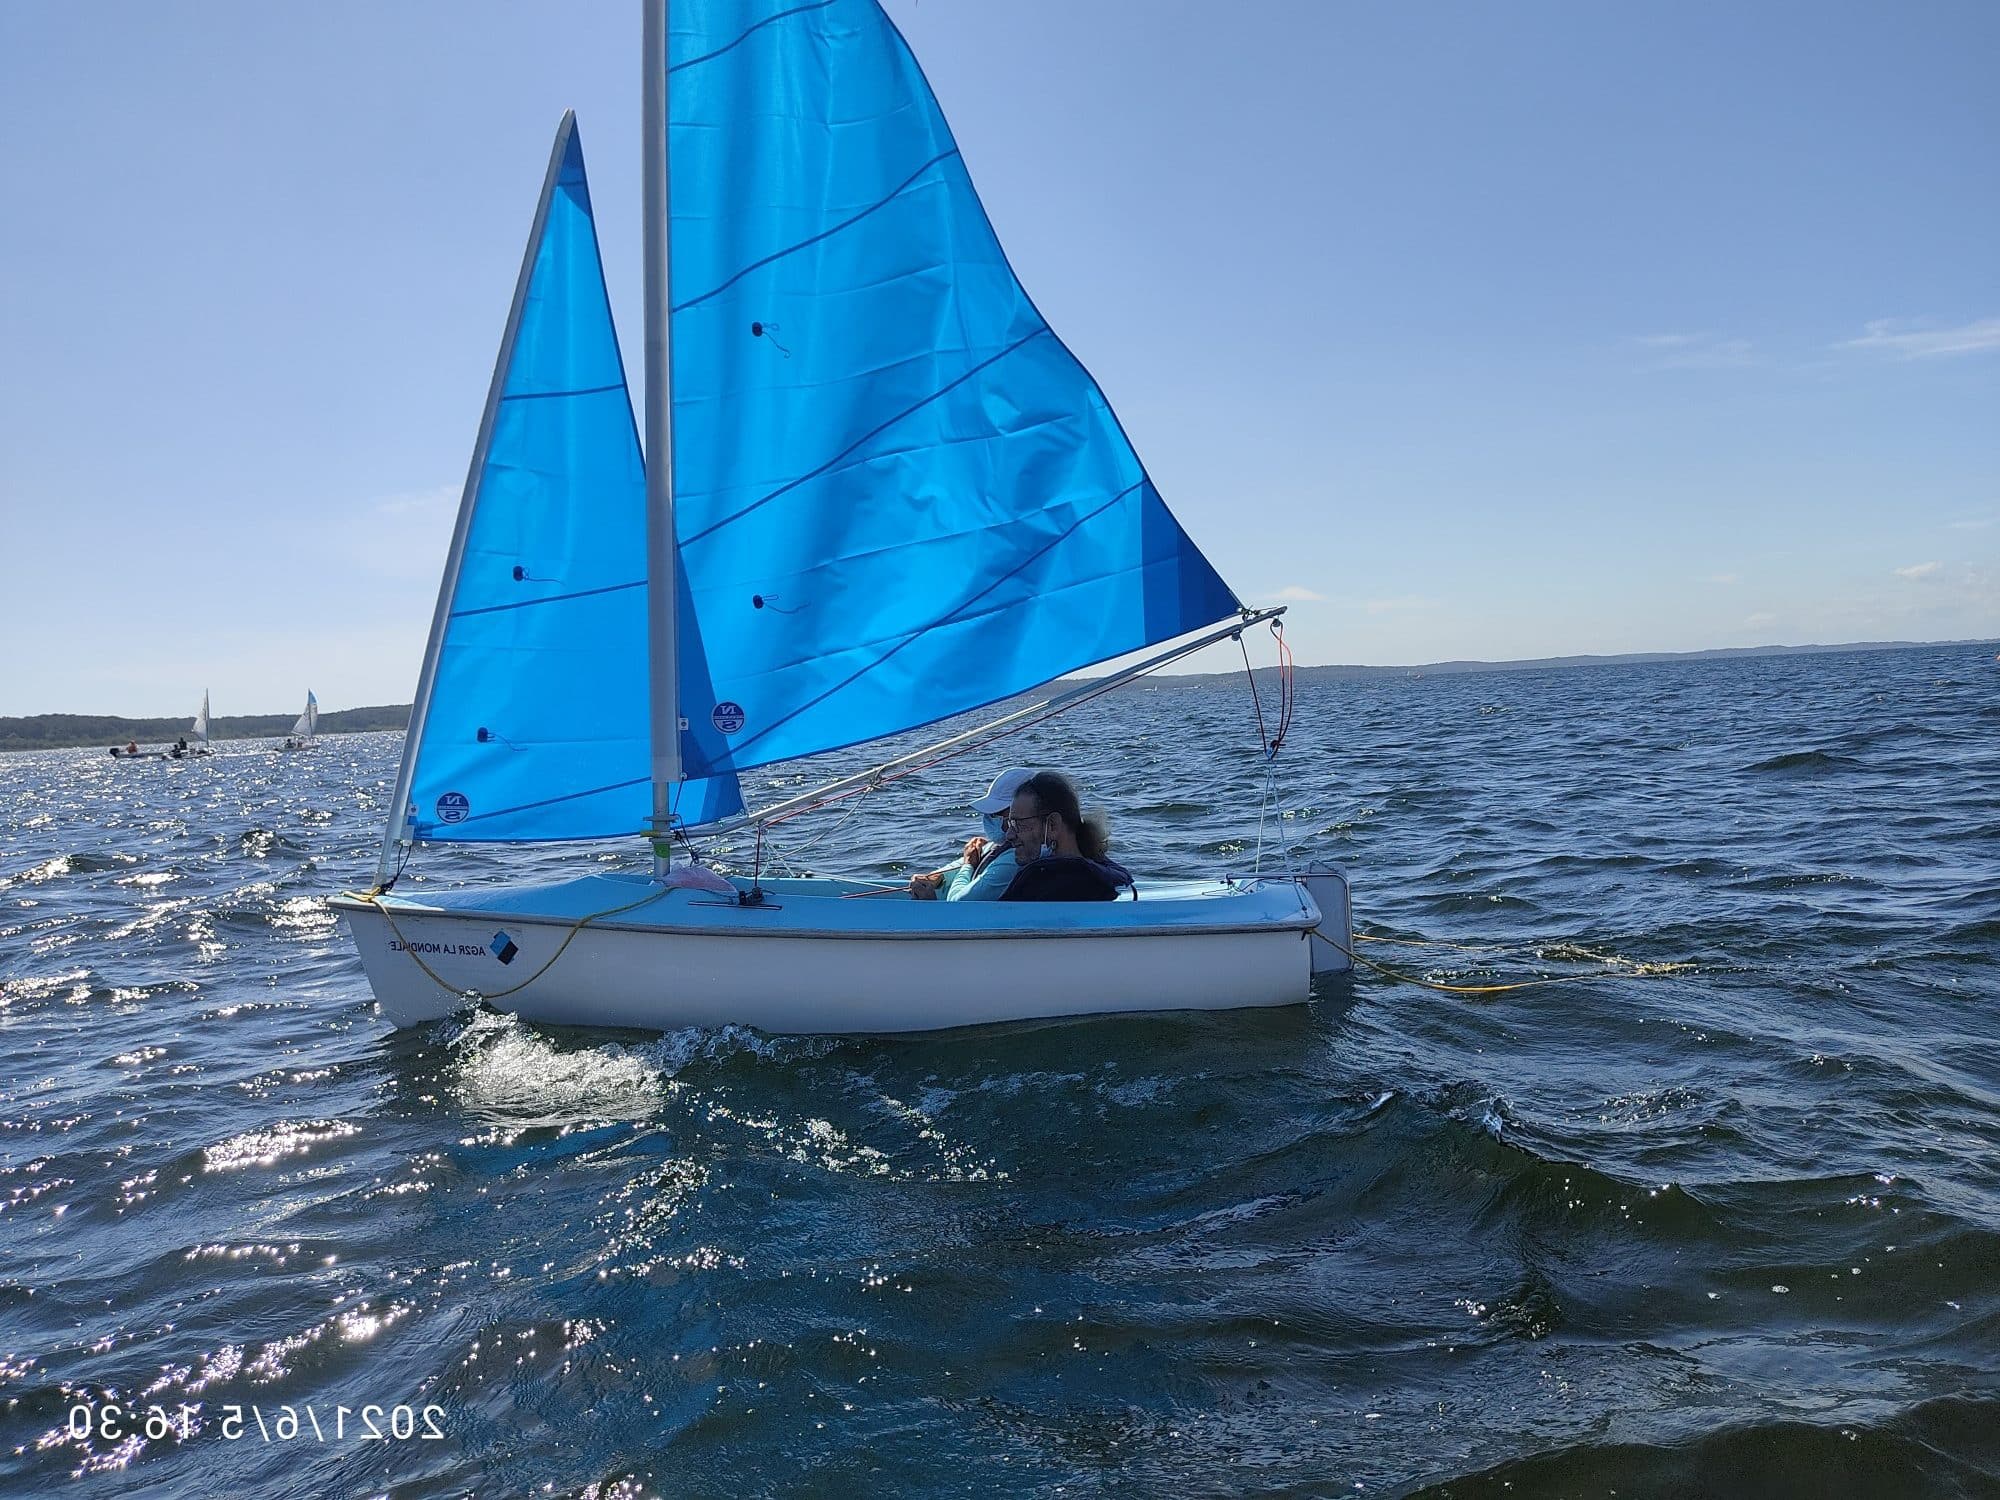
(660, 559)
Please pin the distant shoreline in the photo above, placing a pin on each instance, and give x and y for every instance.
(70, 731)
(1626, 659)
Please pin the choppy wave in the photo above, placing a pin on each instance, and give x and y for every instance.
(1808, 761)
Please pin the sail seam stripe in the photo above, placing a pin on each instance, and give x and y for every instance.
(1111, 411)
(796, 10)
(848, 223)
(616, 786)
(946, 619)
(865, 438)
(494, 609)
(589, 390)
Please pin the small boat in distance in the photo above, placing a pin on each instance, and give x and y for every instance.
(180, 749)
(303, 732)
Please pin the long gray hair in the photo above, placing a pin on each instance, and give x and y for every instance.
(1057, 794)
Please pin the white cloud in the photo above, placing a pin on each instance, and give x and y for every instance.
(1293, 593)
(1695, 351)
(1918, 570)
(1723, 578)
(1762, 617)
(1909, 340)
(1978, 523)
(441, 501)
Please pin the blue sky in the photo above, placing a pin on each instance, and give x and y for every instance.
(1475, 330)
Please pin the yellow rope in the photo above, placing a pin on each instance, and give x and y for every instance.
(373, 898)
(1370, 937)
(1642, 970)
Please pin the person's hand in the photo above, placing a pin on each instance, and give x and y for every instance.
(975, 849)
(925, 887)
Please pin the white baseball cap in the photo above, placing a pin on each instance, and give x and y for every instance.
(1000, 796)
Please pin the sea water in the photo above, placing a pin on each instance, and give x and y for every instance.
(1719, 1212)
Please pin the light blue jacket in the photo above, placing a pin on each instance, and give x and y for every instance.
(960, 884)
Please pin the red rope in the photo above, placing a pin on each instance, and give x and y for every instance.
(1287, 697)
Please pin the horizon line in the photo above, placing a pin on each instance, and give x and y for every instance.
(1580, 658)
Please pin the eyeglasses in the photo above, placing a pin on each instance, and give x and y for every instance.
(1014, 825)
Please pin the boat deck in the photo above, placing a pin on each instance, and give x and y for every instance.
(826, 906)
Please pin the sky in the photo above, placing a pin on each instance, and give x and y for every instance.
(1470, 331)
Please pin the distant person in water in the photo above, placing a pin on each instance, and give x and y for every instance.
(982, 871)
(1062, 852)
(132, 748)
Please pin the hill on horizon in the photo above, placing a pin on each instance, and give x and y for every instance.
(68, 731)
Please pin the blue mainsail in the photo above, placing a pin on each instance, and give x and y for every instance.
(898, 495)
(536, 726)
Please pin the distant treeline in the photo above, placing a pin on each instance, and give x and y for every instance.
(58, 731)
(1552, 663)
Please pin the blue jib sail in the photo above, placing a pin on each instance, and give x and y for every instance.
(899, 496)
(537, 723)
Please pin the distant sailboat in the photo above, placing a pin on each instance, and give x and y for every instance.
(879, 492)
(180, 749)
(301, 737)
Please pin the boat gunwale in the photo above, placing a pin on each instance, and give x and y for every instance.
(1298, 922)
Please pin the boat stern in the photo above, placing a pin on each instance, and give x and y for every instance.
(1333, 936)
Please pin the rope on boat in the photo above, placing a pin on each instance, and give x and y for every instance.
(373, 899)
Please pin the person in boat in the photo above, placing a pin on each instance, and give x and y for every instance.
(132, 748)
(180, 747)
(983, 870)
(1062, 853)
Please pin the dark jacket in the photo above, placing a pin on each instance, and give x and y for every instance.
(1063, 877)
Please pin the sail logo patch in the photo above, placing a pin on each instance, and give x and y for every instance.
(503, 948)
(728, 717)
(454, 807)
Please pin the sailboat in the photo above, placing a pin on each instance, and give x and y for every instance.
(180, 749)
(306, 726)
(876, 492)
(199, 729)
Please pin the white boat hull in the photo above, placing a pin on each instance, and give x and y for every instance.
(815, 959)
